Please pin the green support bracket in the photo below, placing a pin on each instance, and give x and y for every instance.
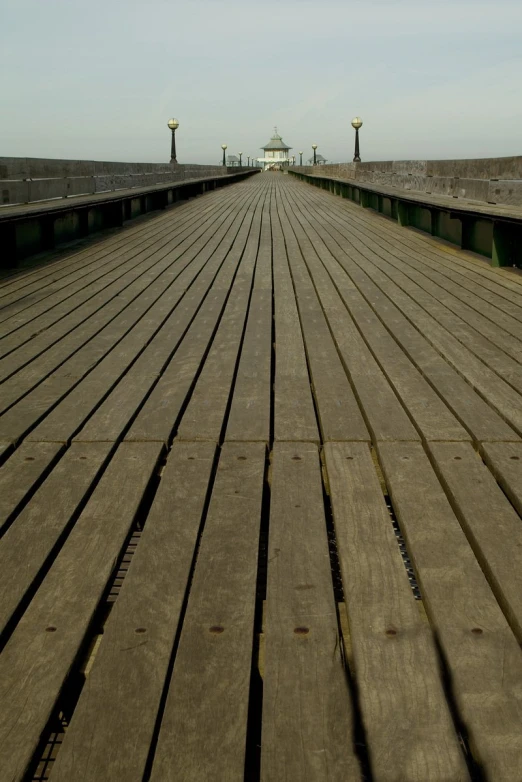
(364, 199)
(402, 213)
(507, 244)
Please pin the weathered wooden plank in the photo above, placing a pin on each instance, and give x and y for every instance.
(501, 397)
(38, 310)
(428, 305)
(339, 415)
(35, 309)
(491, 524)
(307, 714)
(395, 660)
(451, 259)
(26, 282)
(157, 418)
(205, 413)
(466, 273)
(18, 475)
(481, 310)
(203, 731)
(294, 415)
(114, 349)
(55, 333)
(93, 343)
(119, 704)
(249, 418)
(482, 654)
(477, 415)
(384, 413)
(41, 652)
(431, 416)
(505, 462)
(204, 295)
(467, 280)
(39, 528)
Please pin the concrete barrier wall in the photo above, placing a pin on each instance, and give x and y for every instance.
(24, 180)
(490, 180)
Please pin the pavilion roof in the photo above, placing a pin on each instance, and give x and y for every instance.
(276, 142)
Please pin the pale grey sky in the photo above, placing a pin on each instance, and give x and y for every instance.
(98, 79)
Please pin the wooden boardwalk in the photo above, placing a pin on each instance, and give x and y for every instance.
(260, 504)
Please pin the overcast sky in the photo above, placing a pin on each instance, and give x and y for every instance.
(98, 79)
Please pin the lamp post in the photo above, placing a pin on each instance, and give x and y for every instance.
(173, 125)
(240, 158)
(301, 158)
(223, 147)
(357, 123)
(314, 147)
(248, 161)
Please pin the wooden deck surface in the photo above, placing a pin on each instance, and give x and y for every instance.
(260, 502)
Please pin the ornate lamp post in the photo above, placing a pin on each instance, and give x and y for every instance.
(248, 161)
(224, 147)
(173, 125)
(357, 123)
(314, 147)
(301, 158)
(240, 157)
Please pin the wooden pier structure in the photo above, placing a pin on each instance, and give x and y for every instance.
(260, 501)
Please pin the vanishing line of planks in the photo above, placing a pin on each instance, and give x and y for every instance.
(161, 337)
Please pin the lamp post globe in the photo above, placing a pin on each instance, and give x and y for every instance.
(301, 157)
(173, 125)
(314, 147)
(224, 147)
(357, 123)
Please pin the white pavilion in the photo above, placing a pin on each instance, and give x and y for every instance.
(276, 154)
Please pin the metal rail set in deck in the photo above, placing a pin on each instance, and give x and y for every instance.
(260, 501)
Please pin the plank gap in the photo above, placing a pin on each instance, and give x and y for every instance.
(255, 700)
(52, 738)
(360, 741)
(183, 610)
(31, 491)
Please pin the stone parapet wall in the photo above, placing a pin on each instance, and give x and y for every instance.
(489, 180)
(25, 180)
